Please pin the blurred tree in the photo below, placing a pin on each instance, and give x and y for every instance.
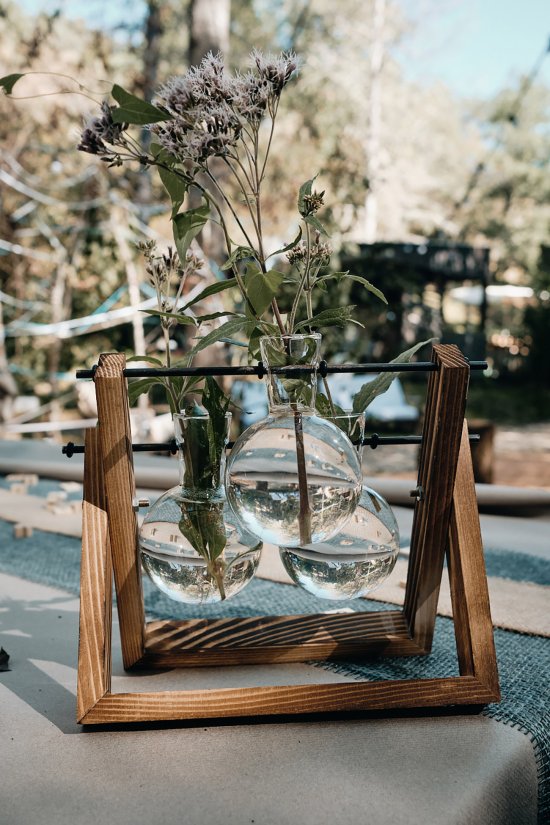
(57, 259)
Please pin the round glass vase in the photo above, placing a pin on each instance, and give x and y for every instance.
(191, 547)
(293, 478)
(358, 559)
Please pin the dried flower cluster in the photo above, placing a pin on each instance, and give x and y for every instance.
(100, 131)
(163, 270)
(205, 114)
(209, 108)
(318, 252)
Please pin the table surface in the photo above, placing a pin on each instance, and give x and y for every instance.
(453, 767)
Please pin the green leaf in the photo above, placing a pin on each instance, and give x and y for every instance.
(183, 320)
(216, 403)
(213, 289)
(163, 155)
(316, 224)
(261, 288)
(368, 286)
(238, 254)
(200, 319)
(187, 225)
(139, 386)
(175, 186)
(324, 408)
(226, 330)
(8, 82)
(337, 317)
(175, 182)
(135, 110)
(305, 189)
(372, 389)
(291, 245)
(340, 276)
(147, 358)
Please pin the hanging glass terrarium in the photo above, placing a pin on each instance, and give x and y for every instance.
(362, 555)
(191, 547)
(293, 478)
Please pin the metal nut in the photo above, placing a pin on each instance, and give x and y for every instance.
(417, 493)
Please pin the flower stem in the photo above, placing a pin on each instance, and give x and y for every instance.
(304, 514)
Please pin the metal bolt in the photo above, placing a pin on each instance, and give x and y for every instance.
(417, 493)
(137, 503)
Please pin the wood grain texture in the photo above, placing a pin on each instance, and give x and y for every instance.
(446, 517)
(94, 645)
(468, 580)
(446, 402)
(269, 639)
(288, 700)
(118, 470)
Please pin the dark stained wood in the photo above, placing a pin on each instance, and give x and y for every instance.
(118, 470)
(94, 644)
(469, 592)
(439, 457)
(268, 639)
(288, 700)
(447, 516)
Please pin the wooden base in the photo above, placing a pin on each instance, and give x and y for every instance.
(446, 519)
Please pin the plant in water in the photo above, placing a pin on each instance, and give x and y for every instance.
(211, 136)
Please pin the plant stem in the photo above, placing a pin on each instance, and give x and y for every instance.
(217, 569)
(304, 514)
(329, 396)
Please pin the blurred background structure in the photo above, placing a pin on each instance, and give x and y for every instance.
(429, 126)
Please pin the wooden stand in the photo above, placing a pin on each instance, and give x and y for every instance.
(445, 520)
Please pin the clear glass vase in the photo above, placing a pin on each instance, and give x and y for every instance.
(362, 555)
(293, 478)
(191, 546)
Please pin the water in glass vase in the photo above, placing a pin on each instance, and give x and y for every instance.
(191, 547)
(170, 557)
(265, 488)
(293, 478)
(354, 562)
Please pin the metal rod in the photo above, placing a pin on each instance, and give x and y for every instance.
(373, 441)
(323, 369)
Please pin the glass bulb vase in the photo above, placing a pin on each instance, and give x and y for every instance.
(293, 478)
(191, 547)
(358, 559)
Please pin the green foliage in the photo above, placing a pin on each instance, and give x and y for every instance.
(261, 288)
(235, 325)
(289, 246)
(240, 253)
(339, 317)
(213, 289)
(8, 82)
(313, 221)
(203, 526)
(187, 226)
(134, 110)
(175, 181)
(341, 276)
(379, 385)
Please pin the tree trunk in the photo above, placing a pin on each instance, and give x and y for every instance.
(208, 28)
(375, 121)
(209, 32)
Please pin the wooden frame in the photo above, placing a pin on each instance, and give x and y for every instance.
(445, 520)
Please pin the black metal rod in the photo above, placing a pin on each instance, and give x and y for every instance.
(373, 441)
(260, 371)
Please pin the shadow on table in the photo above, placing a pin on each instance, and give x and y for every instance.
(39, 636)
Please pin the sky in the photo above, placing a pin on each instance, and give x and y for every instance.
(474, 46)
(478, 46)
